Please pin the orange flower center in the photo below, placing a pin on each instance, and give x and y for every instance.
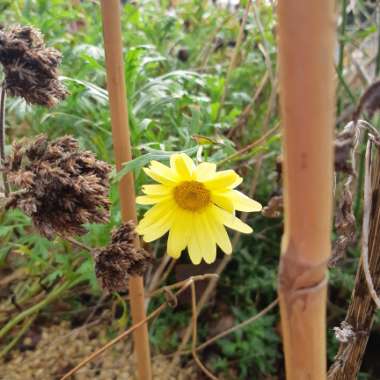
(191, 195)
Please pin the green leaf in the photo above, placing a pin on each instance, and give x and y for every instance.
(141, 161)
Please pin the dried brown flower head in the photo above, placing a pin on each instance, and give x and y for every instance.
(120, 259)
(59, 186)
(30, 67)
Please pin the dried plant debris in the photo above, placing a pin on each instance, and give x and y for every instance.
(345, 226)
(344, 149)
(369, 102)
(30, 68)
(58, 185)
(121, 259)
(344, 333)
(274, 208)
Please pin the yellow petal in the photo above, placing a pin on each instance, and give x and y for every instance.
(183, 165)
(156, 190)
(161, 173)
(237, 182)
(220, 233)
(243, 203)
(223, 200)
(205, 171)
(163, 170)
(196, 246)
(231, 221)
(155, 231)
(208, 239)
(159, 177)
(150, 199)
(153, 215)
(179, 234)
(223, 180)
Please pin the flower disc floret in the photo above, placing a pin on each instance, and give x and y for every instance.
(192, 195)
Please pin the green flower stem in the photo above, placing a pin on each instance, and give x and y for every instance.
(342, 44)
(19, 335)
(56, 292)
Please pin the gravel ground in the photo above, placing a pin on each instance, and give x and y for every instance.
(59, 348)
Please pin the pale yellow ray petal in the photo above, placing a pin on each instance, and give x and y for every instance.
(223, 200)
(207, 237)
(238, 181)
(183, 165)
(205, 171)
(153, 215)
(163, 170)
(155, 231)
(243, 203)
(151, 199)
(179, 234)
(159, 177)
(225, 179)
(195, 247)
(219, 232)
(156, 190)
(231, 221)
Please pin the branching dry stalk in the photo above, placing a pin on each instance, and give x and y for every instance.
(237, 327)
(364, 298)
(195, 334)
(183, 285)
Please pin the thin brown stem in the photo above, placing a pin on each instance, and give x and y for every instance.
(195, 334)
(234, 57)
(183, 286)
(77, 243)
(239, 326)
(366, 223)
(3, 95)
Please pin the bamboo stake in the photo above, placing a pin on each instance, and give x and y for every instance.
(122, 148)
(306, 62)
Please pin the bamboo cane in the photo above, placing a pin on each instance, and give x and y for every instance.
(306, 48)
(122, 148)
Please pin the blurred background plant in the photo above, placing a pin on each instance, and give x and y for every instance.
(192, 85)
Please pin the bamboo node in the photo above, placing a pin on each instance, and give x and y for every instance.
(298, 276)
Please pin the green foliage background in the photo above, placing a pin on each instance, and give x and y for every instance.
(175, 80)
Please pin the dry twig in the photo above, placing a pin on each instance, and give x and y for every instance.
(183, 285)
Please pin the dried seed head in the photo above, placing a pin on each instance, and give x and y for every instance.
(120, 259)
(30, 67)
(59, 186)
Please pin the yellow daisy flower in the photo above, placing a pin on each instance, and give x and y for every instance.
(194, 203)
